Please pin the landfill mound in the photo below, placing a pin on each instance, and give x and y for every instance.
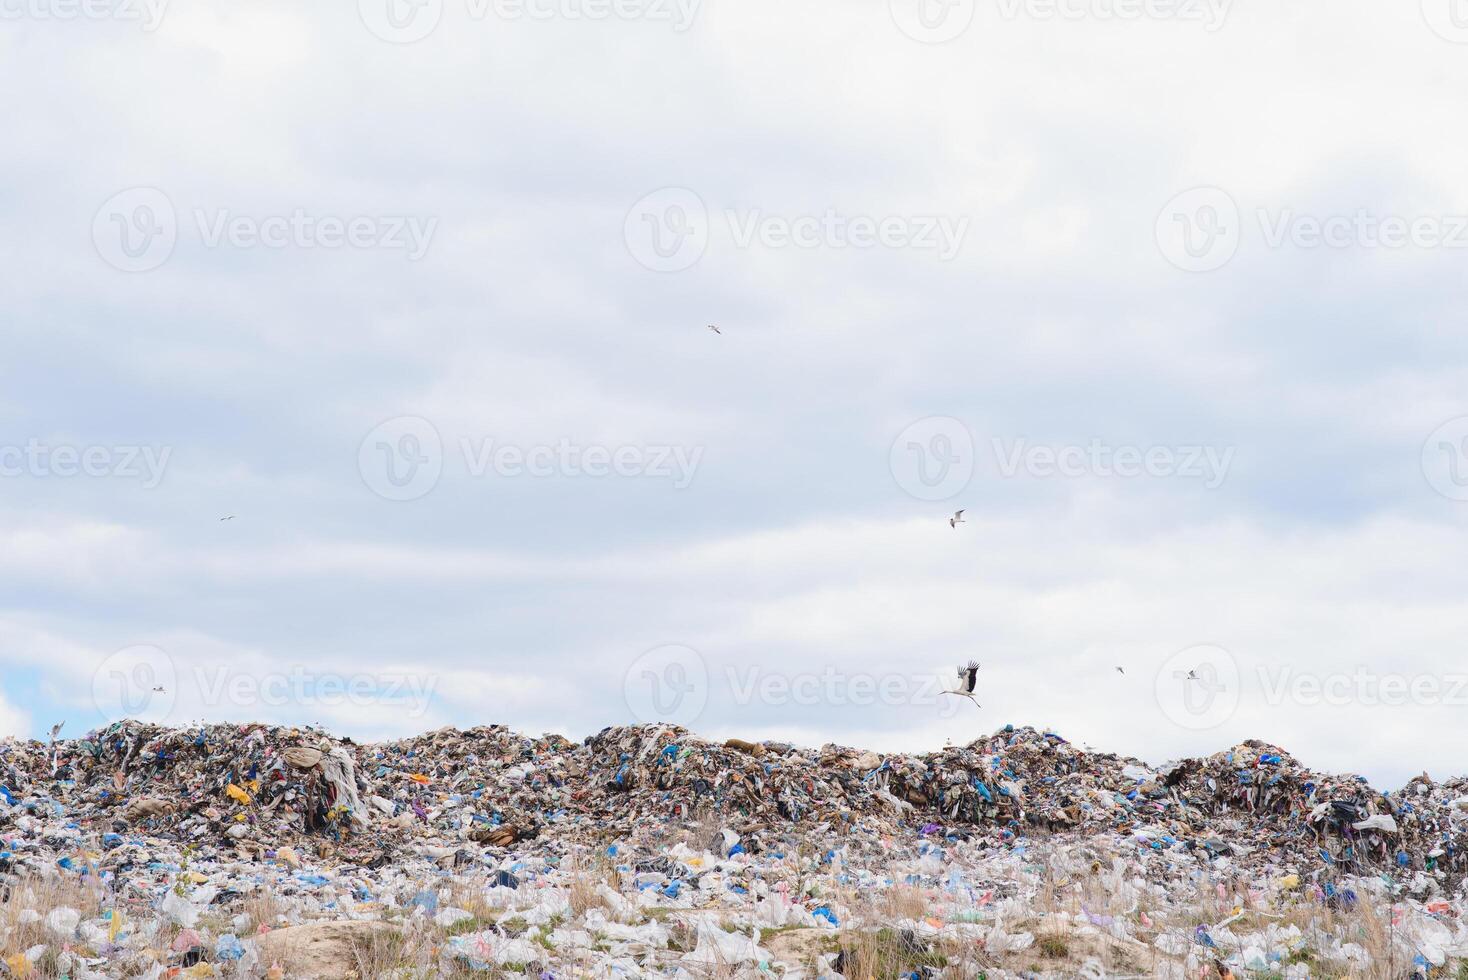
(255, 788)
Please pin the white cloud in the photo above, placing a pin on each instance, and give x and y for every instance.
(528, 321)
(1049, 609)
(13, 721)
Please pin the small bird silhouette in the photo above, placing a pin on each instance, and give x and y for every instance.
(716, 330)
(229, 518)
(1120, 671)
(159, 690)
(956, 519)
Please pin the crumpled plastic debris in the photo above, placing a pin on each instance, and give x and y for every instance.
(62, 922)
(178, 829)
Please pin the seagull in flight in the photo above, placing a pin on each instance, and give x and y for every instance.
(956, 519)
(229, 518)
(968, 679)
(1120, 671)
(159, 690)
(1193, 676)
(716, 330)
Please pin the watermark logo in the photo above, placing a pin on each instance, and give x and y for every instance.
(144, 682)
(135, 230)
(409, 21)
(1199, 229)
(932, 21)
(1202, 229)
(832, 230)
(300, 229)
(667, 230)
(668, 685)
(401, 459)
(1097, 459)
(136, 682)
(672, 685)
(300, 687)
(400, 21)
(680, 14)
(670, 229)
(1445, 459)
(1447, 18)
(1363, 687)
(148, 13)
(933, 458)
(1210, 13)
(1199, 687)
(404, 458)
(839, 688)
(1362, 229)
(676, 464)
(40, 460)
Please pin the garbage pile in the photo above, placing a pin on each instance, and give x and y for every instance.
(254, 788)
(192, 846)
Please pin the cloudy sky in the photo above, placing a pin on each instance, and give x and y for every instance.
(1167, 295)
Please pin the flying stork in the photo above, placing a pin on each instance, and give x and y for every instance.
(968, 679)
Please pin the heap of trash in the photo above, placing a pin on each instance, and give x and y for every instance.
(251, 850)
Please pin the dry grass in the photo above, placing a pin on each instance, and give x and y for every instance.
(588, 873)
(902, 902)
(264, 909)
(42, 896)
(383, 953)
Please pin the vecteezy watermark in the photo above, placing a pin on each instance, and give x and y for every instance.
(303, 230)
(670, 229)
(299, 686)
(676, 464)
(667, 230)
(41, 460)
(1210, 464)
(147, 13)
(1202, 229)
(136, 682)
(1447, 18)
(136, 230)
(1363, 229)
(937, 21)
(1211, 14)
(1198, 687)
(933, 458)
(408, 21)
(829, 686)
(144, 682)
(400, 21)
(831, 229)
(672, 685)
(667, 685)
(932, 21)
(1362, 686)
(1445, 458)
(1198, 230)
(403, 459)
